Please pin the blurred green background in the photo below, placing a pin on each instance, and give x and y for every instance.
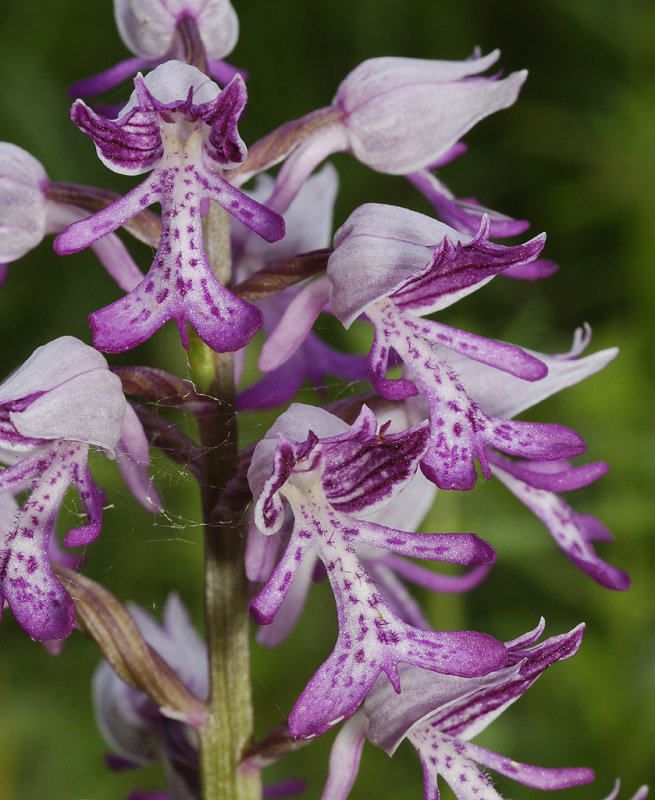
(576, 157)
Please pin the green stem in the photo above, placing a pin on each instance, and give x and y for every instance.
(228, 729)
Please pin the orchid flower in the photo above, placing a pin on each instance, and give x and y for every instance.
(328, 472)
(388, 570)
(32, 206)
(160, 30)
(182, 127)
(439, 714)
(52, 409)
(395, 115)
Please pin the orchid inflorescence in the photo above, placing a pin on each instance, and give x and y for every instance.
(333, 491)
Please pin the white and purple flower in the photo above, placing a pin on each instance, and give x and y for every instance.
(395, 115)
(157, 31)
(180, 125)
(62, 401)
(137, 730)
(439, 714)
(329, 472)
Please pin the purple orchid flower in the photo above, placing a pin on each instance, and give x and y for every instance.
(439, 714)
(388, 570)
(161, 30)
(52, 409)
(396, 115)
(415, 266)
(182, 127)
(328, 472)
(31, 208)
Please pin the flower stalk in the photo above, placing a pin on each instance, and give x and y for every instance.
(227, 731)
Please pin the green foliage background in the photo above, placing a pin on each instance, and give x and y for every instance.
(575, 156)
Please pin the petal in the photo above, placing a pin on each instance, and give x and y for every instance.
(110, 250)
(463, 215)
(504, 396)
(51, 365)
(129, 146)
(294, 325)
(391, 244)
(552, 476)
(371, 77)
(498, 355)
(366, 472)
(107, 79)
(92, 500)
(434, 581)
(308, 223)
(456, 548)
(345, 756)
(133, 459)
(445, 756)
(289, 611)
(224, 145)
(459, 268)
(40, 604)
(265, 605)
(403, 114)
(329, 137)
(340, 685)
(536, 777)
(22, 202)
(460, 706)
(147, 27)
(190, 293)
(87, 231)
(86, 408)
(259, 218)
(572, 532)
